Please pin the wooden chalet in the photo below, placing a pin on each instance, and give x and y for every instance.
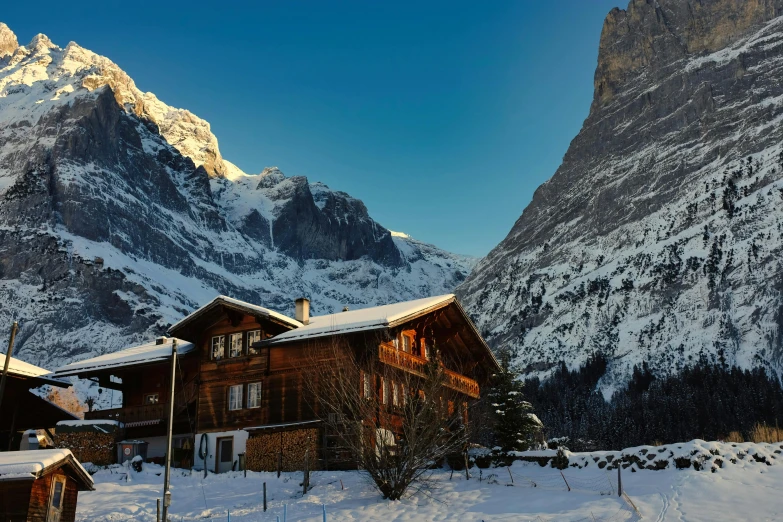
(248, 367)
(21, 409)
(41, 485)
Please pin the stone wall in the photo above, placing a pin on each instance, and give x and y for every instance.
(97, 448)
(262, 450)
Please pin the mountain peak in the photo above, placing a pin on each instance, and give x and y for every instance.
(40, 42)
(8, 41)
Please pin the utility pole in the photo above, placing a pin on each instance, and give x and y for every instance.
(8, 354)
(167, 475)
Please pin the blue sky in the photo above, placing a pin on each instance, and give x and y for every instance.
(443, 117)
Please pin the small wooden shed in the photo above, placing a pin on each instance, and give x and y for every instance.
(41, 485)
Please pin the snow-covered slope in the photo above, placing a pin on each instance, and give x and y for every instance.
(118, 215)
(660, 237)
(742, 488)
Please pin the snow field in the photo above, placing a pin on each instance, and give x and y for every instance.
(734, 493)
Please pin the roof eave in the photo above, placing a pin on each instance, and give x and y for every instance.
(220, 300)
(492, 359)
(423, 311)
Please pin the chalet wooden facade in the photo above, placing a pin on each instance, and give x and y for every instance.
(142, 374)
(248, 370)
(21, 409)
(41, 485)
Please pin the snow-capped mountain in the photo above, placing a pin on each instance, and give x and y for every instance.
(118, 215)
(660, 237)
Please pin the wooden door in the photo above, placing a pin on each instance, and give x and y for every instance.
(225, 454)
(56, 499)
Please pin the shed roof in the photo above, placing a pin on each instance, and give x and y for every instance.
(377, 317)
(25, 370)
(32, 464)
(143, 354)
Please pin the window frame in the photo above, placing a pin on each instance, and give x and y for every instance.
(407, 342)
(395, 394)
(222, 343)
(385, 391)
(57, 479)
(258, 396)
(366, 386)
(250, 349)
(231, 338)
(238, 402)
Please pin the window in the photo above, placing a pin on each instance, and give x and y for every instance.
(218, 347)
(253, 337)
(235, 345)
(396, 343)
(366, 386)
(425, 348)
(395, 395)
(254, 395)
(407, 342)
(57, 492)
(235, 397)
(151, 398)
(385, 390)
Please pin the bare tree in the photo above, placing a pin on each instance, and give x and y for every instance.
(397, 417)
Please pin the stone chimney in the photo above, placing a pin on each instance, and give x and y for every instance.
(303, 310)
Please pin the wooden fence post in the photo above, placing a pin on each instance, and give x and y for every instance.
(306, 478)
(264, 496)
(564, 480)
(619, 482)
(158, 516)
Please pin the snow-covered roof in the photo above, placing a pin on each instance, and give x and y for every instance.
(23, 369)
(374, 318)
(15, 465)
(241, 305)
(92, 422)
(143, 354)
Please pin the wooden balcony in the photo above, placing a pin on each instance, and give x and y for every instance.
(390, 355)
(132, 414)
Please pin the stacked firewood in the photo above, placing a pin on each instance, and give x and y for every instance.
(262, 450)
(97, 448)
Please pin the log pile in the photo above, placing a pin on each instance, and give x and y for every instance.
(97, 448)
(261, 451)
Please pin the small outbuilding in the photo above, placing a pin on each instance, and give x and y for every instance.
(41, 485)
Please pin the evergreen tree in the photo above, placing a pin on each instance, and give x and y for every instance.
(515, 424)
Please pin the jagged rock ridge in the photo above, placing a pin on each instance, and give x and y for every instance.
(659, 236)
(118, 215)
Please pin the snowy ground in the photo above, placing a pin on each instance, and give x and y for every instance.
(743, 492)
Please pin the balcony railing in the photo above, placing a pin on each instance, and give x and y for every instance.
(131, 414)
(390, 355)
(149, 413)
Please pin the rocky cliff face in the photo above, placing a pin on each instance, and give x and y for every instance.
(118, 215)
(659, 237)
